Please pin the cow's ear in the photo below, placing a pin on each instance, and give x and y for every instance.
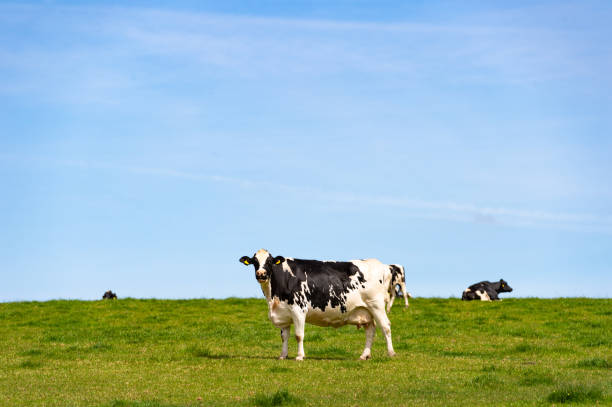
(246, 260)
(279, 259)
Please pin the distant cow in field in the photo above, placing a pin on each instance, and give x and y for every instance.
(324, 293)
(398, 277)
(109, 295)
(486, 291)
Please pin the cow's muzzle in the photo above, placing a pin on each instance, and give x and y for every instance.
(261, 275)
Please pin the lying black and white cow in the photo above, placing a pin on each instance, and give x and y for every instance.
(324, 293)
(486, 291)
(398, 277)
(109, 295)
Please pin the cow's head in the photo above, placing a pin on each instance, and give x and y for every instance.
(504, 287)
(263, 263)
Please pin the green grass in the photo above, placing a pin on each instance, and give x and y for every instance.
(595, 363)
(535, 378)
(153, 403)
(163, 353)
(575, 394)
(279, 398)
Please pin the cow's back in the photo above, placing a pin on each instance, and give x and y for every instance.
(481, 284)
(341, 293)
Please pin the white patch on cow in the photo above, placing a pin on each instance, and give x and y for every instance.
(279, 312)
(286, 267)
(483, 295)
(467, 290)
(261, 256)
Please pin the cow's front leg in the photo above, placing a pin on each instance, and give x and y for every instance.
(370, 331)
(484, 296)
(285, 337)
(299, 320)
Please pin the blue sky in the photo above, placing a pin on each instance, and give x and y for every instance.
(146, 148)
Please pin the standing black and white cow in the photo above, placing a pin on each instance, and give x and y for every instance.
(398, 277)
(324, 293)
(486, 291)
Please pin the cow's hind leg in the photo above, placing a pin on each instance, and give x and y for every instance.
(403, 287)
(299, 320)
(285, 337)
(380, 316)
(391, 298)
(370, 331)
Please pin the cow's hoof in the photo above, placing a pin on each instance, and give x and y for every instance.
(365, 357)
(281, 357)
(299, 358)
(391, 354)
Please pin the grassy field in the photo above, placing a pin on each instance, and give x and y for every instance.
(151, 353)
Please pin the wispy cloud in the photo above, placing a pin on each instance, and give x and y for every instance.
(347, 200)
(455, 211)
(112, 49)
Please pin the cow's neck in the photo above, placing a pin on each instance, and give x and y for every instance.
(265, 288)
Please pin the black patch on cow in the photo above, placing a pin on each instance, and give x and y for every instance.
(492, 289)
(328, 282)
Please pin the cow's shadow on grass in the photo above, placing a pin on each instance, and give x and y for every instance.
(262, 357)
(330, 353)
